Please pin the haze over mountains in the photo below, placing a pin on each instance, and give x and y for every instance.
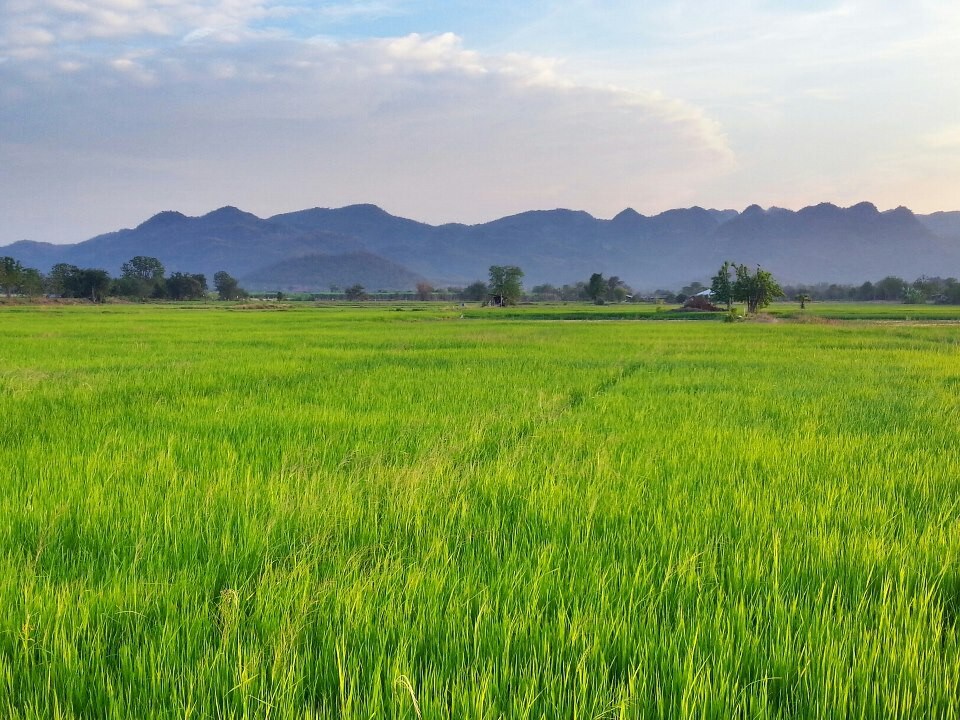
(314, 249)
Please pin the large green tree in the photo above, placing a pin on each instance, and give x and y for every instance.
(721, 286)
(62, 280)
(141, 276)
(755, 289)
(11, 273)
(184, 286)
(596, 287)
(505, 283)
(617, 289)
(31, 282)
(92, 283)
(475, 291)
(227, 286)
(355, 292)
(142, 267)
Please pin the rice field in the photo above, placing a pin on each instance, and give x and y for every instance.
(383, 513)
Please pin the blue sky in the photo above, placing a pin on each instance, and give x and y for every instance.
(112, 110)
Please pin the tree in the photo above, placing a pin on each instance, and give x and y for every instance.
(31, 282)
(424, 290)
(756, 290)
(62, 280)
(545, 292)
(11, 272)
(574, 292)
(890, 288)
(913, 295)
(617, 289)
(355, 292)
(227, 286)
(722, 287)
(475, 291)
(596, 288)
(693, 288)
(142, 267)
(865, 291)
(803, 299)
(92, 283)
(505, 283)
(139, 277)
(184, 286)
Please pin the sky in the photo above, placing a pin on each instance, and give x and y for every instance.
(469, 110)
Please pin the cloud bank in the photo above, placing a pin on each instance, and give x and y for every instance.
(212, 103)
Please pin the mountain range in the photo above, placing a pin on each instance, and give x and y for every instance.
(321, 247)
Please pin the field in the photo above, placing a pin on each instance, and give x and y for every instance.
(464, 513)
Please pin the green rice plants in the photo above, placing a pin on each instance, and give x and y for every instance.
(353, 512)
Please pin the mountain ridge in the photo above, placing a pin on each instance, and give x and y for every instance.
(817, 243)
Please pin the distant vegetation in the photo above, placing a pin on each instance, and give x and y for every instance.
(937, 290)
(141, 278)
(144, 278)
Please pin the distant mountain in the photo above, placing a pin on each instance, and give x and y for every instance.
(312, 249)
(943, 224)
(321, 272)
(225, 239)
(835, 244)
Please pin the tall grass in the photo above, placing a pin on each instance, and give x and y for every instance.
(369, 513)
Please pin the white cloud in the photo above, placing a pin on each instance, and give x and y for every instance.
(351, 10)
(29, 25)
(419, 124)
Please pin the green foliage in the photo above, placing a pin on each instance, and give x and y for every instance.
(890, 288)
(732, 315)
(355, 292)
(337, 513)
(545, 292)
(505, 283)
(89, 283)
(11, 272)
(721, 286)
(15, 278)
(475, 291)
(140, 277)
(143, 268)
(62, 280)
(913, 295)
(186, 286)
(596, 287)
(228, 287)
(31, 282)
(755, 290)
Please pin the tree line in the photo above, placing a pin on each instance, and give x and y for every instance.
(937, 290)
(144, 277)
(141, 278)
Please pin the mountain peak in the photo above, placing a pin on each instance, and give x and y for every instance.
(627, 215)
(900, 210)
(367, 210)
(229, 213)
(866, 209)
(163, 219)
